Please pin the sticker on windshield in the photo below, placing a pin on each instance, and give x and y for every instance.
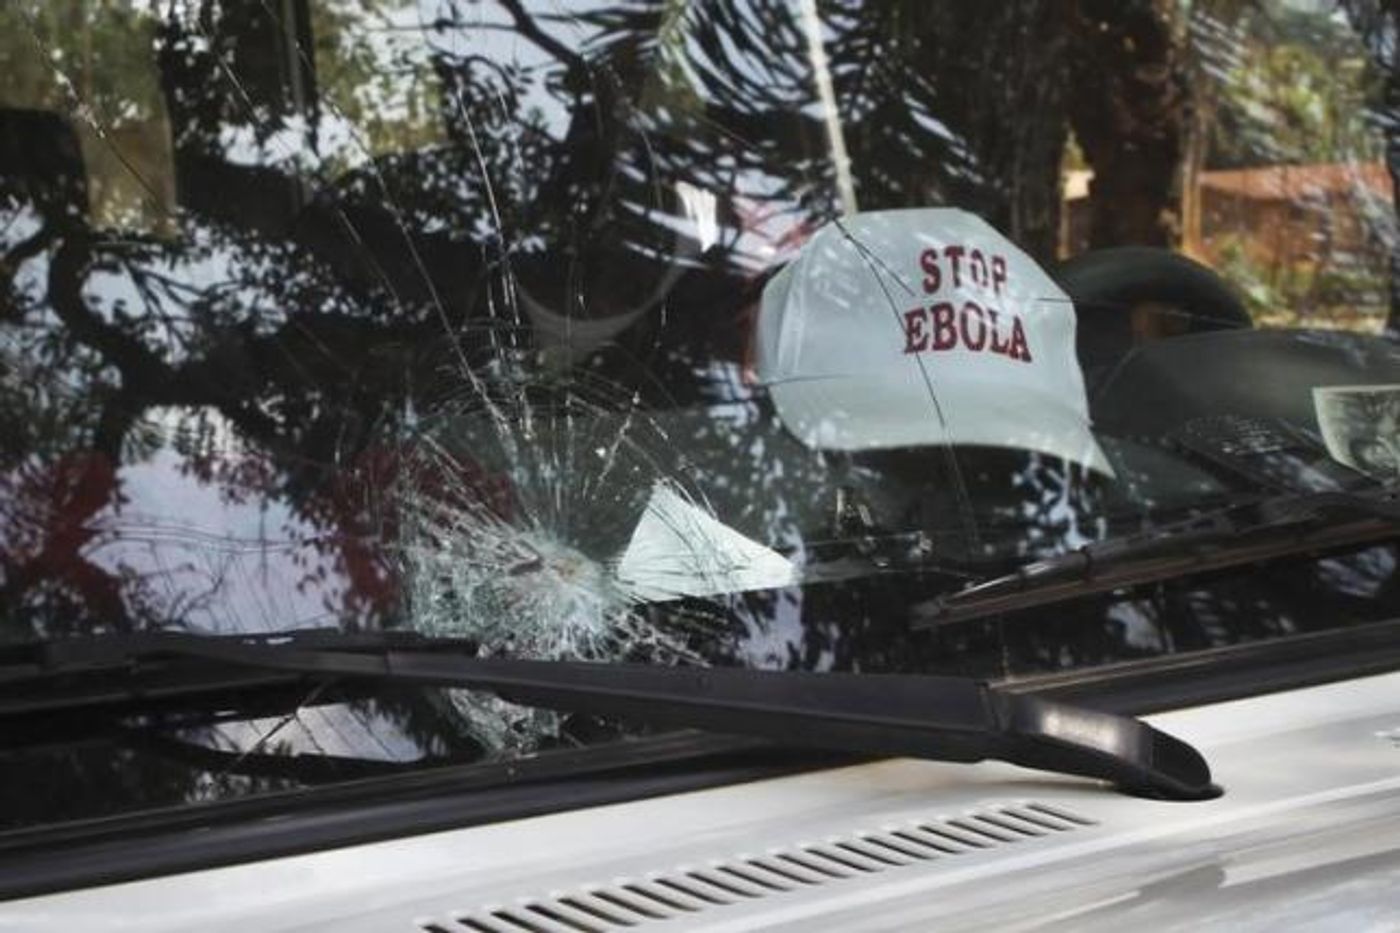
(1361, 427)
(912, 328)
(678, 549)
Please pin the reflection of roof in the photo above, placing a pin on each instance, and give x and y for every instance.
(1300, 182)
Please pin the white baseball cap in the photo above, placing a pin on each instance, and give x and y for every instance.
(923, 327)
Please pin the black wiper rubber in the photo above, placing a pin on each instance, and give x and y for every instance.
(939, 718)
(1282, 526)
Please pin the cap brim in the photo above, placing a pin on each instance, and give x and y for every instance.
(853, 413)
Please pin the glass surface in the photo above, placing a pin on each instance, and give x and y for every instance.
(587, 330)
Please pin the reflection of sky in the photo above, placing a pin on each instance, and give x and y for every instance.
(208, 270)
(486, 30)
(769, 641)
(401, 37)
(325, 730)
(19, 224)
(30, 276)
(1140, 626)
(1363, 574)
(212, 563)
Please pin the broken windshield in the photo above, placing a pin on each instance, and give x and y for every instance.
(678, 332)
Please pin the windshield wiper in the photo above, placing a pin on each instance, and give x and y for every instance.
(1281, 526)
(939, 718)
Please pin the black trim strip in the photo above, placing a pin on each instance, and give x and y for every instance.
(1216, 675)
(197, 837)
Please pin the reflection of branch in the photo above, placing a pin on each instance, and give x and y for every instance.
(119, 413)
(154, 306)
(141, 370)
(528, 28)
(146, 378)
(12, 260)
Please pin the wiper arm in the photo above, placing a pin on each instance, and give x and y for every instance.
(939, 718)
(1281, 526)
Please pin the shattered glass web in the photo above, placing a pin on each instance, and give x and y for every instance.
(560, 509)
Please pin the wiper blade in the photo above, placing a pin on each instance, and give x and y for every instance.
(939, 718)
(1281, 526)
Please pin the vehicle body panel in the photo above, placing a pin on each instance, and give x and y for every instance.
(1312, 808)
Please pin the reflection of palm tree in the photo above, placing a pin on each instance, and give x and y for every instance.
(1378, 23)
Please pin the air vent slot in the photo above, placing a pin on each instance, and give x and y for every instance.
(648, 902)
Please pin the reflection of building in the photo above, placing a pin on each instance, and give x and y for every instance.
(1288, 214)
(1301, 241)
(1280, 214)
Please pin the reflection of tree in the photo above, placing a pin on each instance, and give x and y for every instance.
(48, 510)
(1277, 87)
(313, 295)
(1131, 124)
(1379, 25)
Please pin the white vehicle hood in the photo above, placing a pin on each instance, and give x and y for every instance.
(1307, 836)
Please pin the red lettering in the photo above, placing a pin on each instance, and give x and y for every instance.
(998, 274)
(955, 253)
(945, 335)
(1019, 350)
(943, 327)
(915, 337)
(999, 341)
(977, 266)
(966, 321)
(928, 261)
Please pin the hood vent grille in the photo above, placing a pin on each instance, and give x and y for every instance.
(688, 890)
